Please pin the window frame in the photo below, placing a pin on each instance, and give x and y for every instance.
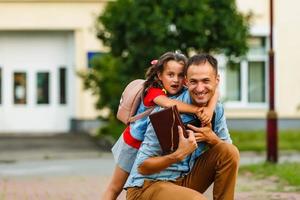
(244, 64)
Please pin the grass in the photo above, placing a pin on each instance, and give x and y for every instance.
(256, 140)
(287, 172)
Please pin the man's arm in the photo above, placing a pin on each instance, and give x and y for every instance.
(156, 164)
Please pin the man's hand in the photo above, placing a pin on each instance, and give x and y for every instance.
(205, 134)
(158, 163)
(186, 145)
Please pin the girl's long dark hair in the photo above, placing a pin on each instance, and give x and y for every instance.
(152, 72)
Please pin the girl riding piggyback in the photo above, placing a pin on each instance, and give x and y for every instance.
(164, 81)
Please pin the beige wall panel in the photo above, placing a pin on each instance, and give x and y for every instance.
(259, 9)
(287, 53)
(245, 113)
(48, 15)
(53, 16)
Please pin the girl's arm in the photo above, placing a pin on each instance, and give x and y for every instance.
(204, 114)
(164, 101)
(207, 112)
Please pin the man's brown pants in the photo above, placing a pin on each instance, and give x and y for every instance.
(218, 165)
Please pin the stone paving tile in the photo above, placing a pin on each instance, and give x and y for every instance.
(87, 187)
(56, 188)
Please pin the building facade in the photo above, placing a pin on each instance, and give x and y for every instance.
(245, 85)
(44, 43)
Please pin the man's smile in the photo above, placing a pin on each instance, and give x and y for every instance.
(200, 94)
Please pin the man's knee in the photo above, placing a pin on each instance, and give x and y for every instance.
(229, 151)
(168, 190)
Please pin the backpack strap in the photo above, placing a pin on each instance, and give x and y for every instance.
(141, 115)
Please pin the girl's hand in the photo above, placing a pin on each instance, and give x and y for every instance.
(199, 112)
(205, 114)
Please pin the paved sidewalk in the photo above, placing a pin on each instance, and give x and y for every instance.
(80, 179)
(73, 168)
(86, 179)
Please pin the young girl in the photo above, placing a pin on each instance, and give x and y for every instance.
(164, 80)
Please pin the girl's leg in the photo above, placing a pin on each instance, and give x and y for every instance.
(116, 184)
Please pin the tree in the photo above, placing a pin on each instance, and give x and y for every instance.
(137, 31)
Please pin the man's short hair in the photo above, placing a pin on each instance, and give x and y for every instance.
(200, 59)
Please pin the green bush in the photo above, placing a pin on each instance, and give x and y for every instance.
(114, 129)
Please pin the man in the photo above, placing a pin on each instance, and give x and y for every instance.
(206, 156)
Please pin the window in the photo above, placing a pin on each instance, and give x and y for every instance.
(20, 88)
(256, 82)
(246, 80)
(42, 88)
(233, 84)
(91, 56)
(257, 45)
(62, 85)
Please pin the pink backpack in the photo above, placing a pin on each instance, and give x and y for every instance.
(130, 100)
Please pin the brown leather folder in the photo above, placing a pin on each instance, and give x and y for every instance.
(165, 124)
